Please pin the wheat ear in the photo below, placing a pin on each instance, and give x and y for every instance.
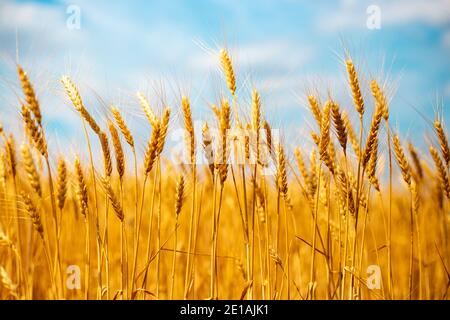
(122, 126)
(30, 168)
(354, 85)
(118, 150)
(442, 173)
(443, 141)
(61, 183)
(402, 161)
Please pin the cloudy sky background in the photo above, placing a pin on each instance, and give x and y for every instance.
(286, 49)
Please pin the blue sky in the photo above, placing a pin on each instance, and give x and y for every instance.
(284, 48)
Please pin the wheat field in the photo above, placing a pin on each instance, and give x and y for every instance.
(244, 215)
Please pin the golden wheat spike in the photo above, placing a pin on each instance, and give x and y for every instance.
(223, 132)
(442, 173)
(402, 161)
(301, 164)
(345, 191)
(113, 198)
(35, 132)
(416, 160)
(315, 109)
(122, 126)
(443, 141)
(179, 195)
(3, 170)
(164, 129)
(5, 241)
(189, 126)
(372, 166)
(118, 150)
(81, 190)
(372, 138)
(32, 212)
(61, 183)
(7, 283)
(324, 141)
(269, 142)
(281, 171)
(30, 96)
(227, 67)
(75, 97)
(380, 99)
(151, 117)
(341, 130)
(351, 134)
(106, 153)
(256, 120)
(30, 168)
(10, 146)
(354, 85)
(151, 150)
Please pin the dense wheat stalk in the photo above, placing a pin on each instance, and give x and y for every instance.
(249, 232)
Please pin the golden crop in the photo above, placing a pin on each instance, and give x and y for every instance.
(320, 227)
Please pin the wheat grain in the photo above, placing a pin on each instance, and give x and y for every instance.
(441, 172)
(61, 183)
(81, 191)
(416, 160)
(30, 168)
(152, 147)
(339, 124)
(227, 67)
(402, 161)
(107, 162)
(189, 126)
(118, 150)
(152, 118)
(356, 90)
(113, 198)
(443, 141)
(122, 126)
(75, 97)
(179, 195)
(32, 212)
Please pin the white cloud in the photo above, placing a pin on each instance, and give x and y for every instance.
(281, 55)
(25, 16)
(353, 14)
